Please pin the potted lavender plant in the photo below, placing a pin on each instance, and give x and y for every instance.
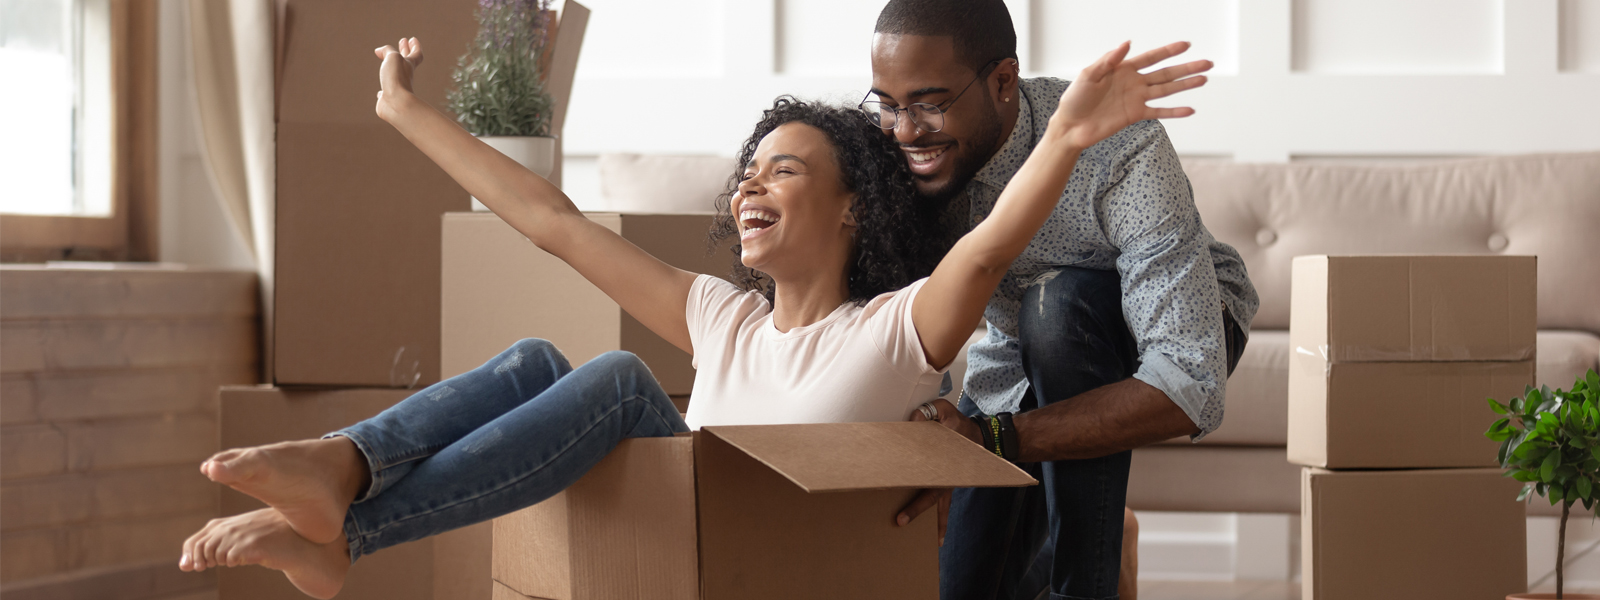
(1550, 441)
(499, 92)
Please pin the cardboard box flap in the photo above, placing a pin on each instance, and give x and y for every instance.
(837, 457)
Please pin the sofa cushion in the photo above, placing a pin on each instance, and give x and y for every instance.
(1256, 411)
(1564, 355)
(666, 184)
(1544, 205)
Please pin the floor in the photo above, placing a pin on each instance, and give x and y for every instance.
(1253, 590)
(1219, 590)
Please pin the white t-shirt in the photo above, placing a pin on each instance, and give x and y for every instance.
(860, 363)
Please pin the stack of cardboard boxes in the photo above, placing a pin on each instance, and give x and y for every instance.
(357, 299)
(1393, 357)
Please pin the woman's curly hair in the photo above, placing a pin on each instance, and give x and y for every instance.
(896, 242)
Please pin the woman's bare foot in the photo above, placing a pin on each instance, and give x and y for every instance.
(311, 482)
(263, 537)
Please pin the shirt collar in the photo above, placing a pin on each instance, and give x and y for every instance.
(997, 173)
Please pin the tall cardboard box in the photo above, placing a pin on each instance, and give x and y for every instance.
(357, 265)
(738, 512)
(1394, 355)
(1378, 535)
(499, 288)
(256, 415)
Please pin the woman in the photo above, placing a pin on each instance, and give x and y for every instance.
(826, 329)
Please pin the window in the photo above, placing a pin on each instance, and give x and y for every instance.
(56, 118)
(78, 130)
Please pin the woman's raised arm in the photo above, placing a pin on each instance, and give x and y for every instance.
(1107, 96)
(652, 291)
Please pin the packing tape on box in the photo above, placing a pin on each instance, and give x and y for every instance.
(1333, 353)
(404, 377)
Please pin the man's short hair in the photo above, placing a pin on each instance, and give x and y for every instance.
(981, 29)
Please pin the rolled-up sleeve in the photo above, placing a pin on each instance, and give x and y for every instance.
(1169, 288)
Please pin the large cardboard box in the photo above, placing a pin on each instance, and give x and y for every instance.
(1413, 308)
(1377, 535)
(1392, 357)
(499, 288)
(421, 570)
(731, 513)
(357, 265)
(1397, 415)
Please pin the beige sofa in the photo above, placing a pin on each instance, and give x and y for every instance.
(1544, 205)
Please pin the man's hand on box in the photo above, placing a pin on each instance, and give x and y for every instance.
(394, 75)
(940, 497)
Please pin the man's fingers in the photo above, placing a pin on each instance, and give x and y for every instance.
(1178, 71)
(944, 514)
(918, 505)
(1159, 54)
(383, 51)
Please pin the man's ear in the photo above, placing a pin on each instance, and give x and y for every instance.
(1007, 75)
(850, 214)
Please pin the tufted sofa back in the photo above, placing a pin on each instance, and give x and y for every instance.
(1545, 205)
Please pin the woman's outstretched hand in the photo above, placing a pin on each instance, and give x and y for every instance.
(394, 75)
(1111, 93)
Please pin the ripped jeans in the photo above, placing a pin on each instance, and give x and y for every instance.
(502, 437)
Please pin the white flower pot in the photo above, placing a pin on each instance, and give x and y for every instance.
(538, 154)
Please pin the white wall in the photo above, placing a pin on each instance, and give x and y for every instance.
(1295, 80)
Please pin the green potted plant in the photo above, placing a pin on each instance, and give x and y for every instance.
(499, 92)
(1550, 441)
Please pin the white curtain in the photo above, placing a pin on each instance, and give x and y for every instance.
(233, 52)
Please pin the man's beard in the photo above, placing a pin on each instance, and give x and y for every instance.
(975, 154)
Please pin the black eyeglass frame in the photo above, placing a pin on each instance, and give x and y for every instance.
(931, 110)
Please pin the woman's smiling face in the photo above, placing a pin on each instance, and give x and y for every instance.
(792, 208)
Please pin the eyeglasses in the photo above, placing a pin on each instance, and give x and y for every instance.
(927, 117)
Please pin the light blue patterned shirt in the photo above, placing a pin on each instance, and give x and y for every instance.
(1128, 207)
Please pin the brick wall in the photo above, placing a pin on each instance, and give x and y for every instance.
(108, 387)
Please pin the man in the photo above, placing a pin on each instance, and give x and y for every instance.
(1117, 327)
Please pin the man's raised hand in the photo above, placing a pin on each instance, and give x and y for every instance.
(1111, 93)
(394, 75)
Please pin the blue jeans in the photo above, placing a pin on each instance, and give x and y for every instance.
(1065, 535)
(502, 437)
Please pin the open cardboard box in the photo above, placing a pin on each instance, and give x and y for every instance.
(738, 512)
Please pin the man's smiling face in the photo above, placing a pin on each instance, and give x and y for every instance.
(916, 68)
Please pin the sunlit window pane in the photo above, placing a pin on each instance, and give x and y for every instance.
(54, 114)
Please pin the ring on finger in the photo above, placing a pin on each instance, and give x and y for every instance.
(928, 411)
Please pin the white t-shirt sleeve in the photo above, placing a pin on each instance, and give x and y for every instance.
(713, 304)
(889, 318)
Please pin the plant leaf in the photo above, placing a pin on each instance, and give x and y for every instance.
(1547, 470)
(1498, 408)
(1584, 488)
(1526, 489)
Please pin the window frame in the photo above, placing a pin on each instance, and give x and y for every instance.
(130, 232)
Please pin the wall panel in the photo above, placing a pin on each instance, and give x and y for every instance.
(630, 38)
(1069, 34)
(1338, 37)
(826, 37)
(1580, 36)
